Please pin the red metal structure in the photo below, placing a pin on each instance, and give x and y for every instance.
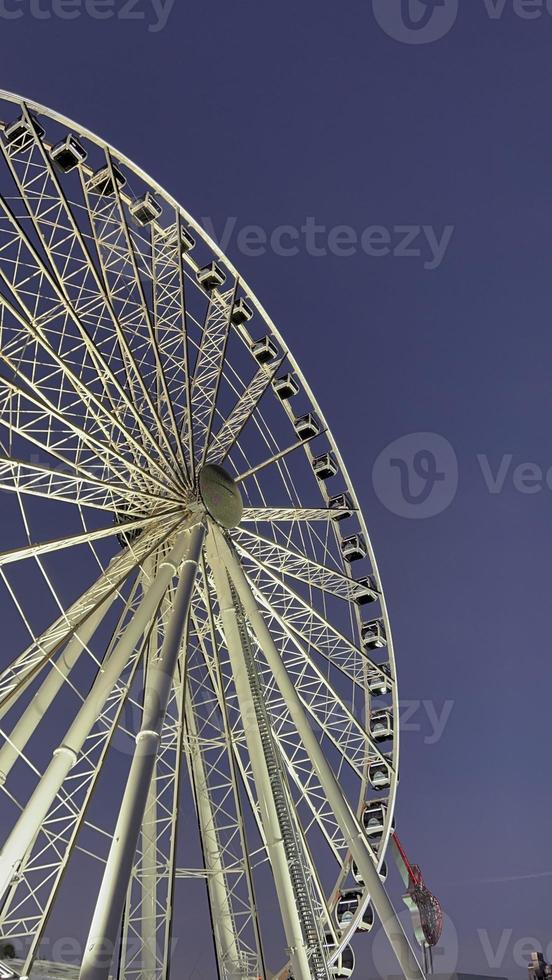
(424, 907)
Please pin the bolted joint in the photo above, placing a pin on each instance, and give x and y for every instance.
(67, 751)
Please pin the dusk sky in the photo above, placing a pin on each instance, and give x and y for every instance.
(412, 283)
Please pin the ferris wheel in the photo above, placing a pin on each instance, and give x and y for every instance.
(198, 698)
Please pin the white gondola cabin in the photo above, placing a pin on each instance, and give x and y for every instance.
(379, 681)
(347, 908)
(146, 210)
(373, 635)
(306, 427)
(265, 350)
(241, 313)
(324, 466)
(210, 276)
(20, 132)
(353, 548)
(366, 591)
(373, 818)
(344, 964)
(68, 154)
(342, 505)
(381, 725)
(286, 386)
(383, 871)
(379, 774)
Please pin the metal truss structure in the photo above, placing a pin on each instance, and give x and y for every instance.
(193, 698)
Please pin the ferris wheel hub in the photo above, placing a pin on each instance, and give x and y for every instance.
(220, 495)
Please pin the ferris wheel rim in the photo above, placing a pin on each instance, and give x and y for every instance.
(41, 110)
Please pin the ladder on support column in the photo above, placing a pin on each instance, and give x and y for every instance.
(296, 861)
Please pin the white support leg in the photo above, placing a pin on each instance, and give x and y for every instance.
(350, 825)
(65, 756)
(267, 807)
(148, 871)
(111, 898)
(35, 711)
(148, 883)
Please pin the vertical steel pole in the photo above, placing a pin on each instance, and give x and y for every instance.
(65, 756)
(111, 898)
(348, 822)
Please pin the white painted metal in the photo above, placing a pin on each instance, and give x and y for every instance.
(269, 816)
(66, 754)
(111, 897)
(43, 699)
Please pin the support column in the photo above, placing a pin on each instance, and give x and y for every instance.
(50, 687)
(267, 806)
(111, 898)
(65, 756)
(350, 826)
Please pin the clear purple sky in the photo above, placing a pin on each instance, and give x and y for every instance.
(273, 112)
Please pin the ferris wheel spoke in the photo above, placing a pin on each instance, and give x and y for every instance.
(109, 231)
(231, 428)
(48, 322)
(281, 454)
(80, 489)
(124, 248)
(58, 376)
(353, 744)
(284, 515)
(339, 638)
(169, 304)
(290, 561)
(303, 776)
(15, 678)
(82, 294)
(331, 716)
(73, 541)
(208, 369)
(39, 413)
(63, 417)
